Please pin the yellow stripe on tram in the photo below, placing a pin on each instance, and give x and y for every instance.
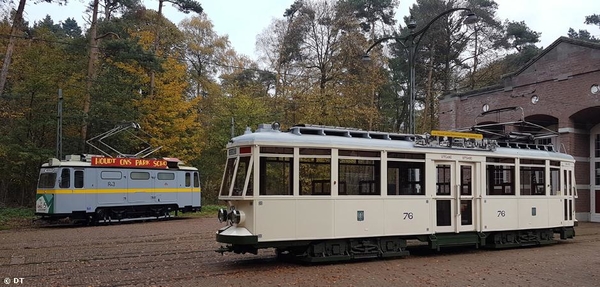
(113, 190)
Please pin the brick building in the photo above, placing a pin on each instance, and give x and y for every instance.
(559, 90)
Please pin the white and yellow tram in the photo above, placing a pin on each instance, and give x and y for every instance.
(325, 193)
(98, 188)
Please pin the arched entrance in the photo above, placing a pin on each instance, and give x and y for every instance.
(588, 120)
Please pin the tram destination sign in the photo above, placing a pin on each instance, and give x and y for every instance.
(129, 162)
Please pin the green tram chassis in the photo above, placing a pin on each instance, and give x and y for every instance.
(390, 246)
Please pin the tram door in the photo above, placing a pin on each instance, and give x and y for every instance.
(454, 200)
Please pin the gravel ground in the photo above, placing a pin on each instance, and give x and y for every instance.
(180, 252)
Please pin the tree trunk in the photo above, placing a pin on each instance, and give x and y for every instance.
(91, 75)
(11, 44)
(155, 46)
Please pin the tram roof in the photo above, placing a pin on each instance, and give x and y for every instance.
(357, 139)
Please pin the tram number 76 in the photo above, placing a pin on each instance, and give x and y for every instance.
(408, 215)
(501, 213)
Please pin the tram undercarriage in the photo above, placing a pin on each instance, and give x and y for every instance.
(336, 250)
(114, 214)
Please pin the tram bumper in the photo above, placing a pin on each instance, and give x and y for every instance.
(236, 235)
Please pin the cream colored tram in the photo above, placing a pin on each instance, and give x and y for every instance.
(325, 193)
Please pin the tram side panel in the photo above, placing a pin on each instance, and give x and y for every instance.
(555, 211)
(70, 196)
(359, 217)
(314, 218)
(499, 213)
(407, 216)
(111, 188)
(275, 218)
(533, 213)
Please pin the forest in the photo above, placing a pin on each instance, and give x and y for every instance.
(188, 88)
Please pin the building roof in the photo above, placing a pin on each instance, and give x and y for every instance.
(550, 48)
(545, 51)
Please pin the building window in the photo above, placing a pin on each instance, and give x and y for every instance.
(597, 146)
(597, 173)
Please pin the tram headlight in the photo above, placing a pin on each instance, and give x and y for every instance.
(222, 215)
(237, 217)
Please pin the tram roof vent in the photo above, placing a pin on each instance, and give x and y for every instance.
(73, 157)
(274, 127)
(306, 129)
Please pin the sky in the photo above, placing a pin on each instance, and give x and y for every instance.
(243, 20)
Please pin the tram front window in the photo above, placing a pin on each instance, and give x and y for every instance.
(229, 170)
(240, 176)
(47, 180)
(65, 178)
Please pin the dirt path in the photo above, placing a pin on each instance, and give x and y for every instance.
(181, 253)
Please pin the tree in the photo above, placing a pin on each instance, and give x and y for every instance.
(518, 36)
(370, 12)
(206, 53)
(71, 29)
(584, 34)
(185, 6)
(15, 28)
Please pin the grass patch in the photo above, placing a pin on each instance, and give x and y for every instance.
(13, 217)
(207, 211)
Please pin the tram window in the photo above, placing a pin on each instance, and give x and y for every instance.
(533, 161)
(47, 180)
(555, 163)
(250, 188)
(196, 179)
(165, 176)
(78, 177)
(500, 180)
(500, 160)
(315, 151)
(137, 175)
(406, 155)
(358, 153)
(65, 178)
(188, 179)
(406, 178)
(276, 176)
(533, 180)
(228, 176)
(554, 181)
(277, 150)
(111, 175)
(443, 180)
(360, 177)
(315, 176)
(240, 176)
